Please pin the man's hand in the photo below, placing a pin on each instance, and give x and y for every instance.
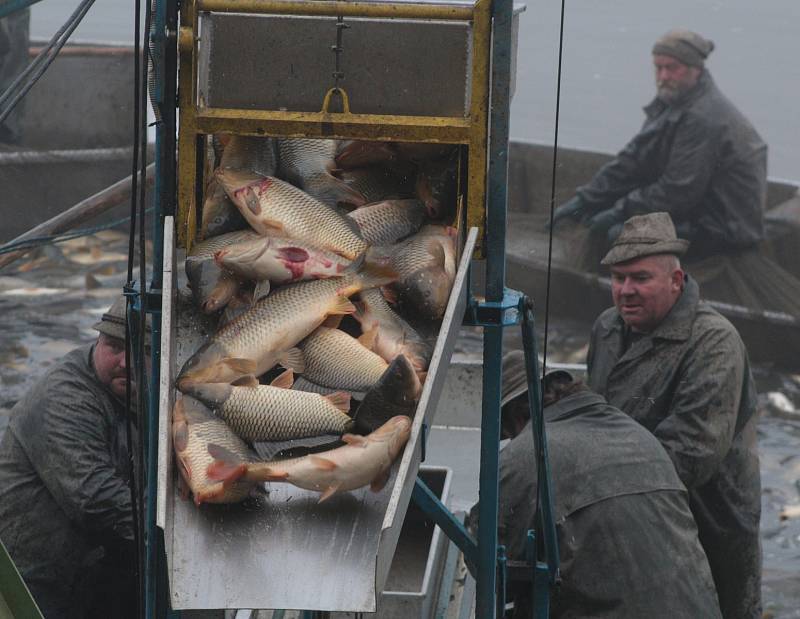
(571, 209)
(601, 223)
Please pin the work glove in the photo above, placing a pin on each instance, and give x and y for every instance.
(574, 208)
(603, 221)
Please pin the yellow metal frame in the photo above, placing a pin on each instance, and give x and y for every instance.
(197, 120)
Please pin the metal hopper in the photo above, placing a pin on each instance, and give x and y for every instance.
(288, 551)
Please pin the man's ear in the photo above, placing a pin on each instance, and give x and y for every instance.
(677, 280)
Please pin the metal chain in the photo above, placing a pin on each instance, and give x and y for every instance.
(337, 49)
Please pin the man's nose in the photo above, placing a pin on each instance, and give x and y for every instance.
(627, 288)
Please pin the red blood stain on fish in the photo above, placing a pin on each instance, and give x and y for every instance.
(262, 186)
(297, 269)
(293, 254)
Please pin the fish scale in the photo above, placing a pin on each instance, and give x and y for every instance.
(276, 208)
(335, 359)
(266, 413)
(389, 221)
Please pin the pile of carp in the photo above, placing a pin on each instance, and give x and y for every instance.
(333, 261)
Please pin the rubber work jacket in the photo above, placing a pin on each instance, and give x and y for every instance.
(65, 502)
(689, 383)
(627, 541)
(700, 160)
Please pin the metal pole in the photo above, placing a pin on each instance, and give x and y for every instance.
(495, 285)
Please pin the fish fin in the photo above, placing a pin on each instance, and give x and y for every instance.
(340, 399)
(268, 473)
(375, 275)
(186, 472)
(389, 294)
(91, 282)
(329, 492)
(357, 264)
(354, 439)
(183, 488)
(284, 380)
(274, 227)
(322, 464)
(240, 366)
(226, 472)
(180, 435)
(341, 305)
(294, 360)
(367, 339)
(380, 481)
(261, 290)
(246, 381)
(333, 321)
(293, 254)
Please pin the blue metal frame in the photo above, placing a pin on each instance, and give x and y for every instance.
(12, 6)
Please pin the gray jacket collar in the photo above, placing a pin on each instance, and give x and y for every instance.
(571, 405)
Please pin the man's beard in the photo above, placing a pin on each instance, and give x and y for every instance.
(669, 92)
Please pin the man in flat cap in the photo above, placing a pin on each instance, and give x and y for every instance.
(680, 369)
(628, 544)
(696, 157)
(65, 498)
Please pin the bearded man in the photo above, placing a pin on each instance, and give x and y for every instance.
(680, 369)
(696, 157)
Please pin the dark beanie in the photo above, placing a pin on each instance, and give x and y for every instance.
(686, 46)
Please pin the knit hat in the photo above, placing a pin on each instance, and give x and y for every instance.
(113, 322)
(645, 235)
(684, 45)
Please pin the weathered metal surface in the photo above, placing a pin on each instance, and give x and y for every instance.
(280, 550)
(423, 72)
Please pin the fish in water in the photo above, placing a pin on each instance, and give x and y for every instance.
(194, 427)
(363, 460)
(251, 154)
(333, 358)
(385, 223)
(275, 208)
(396, 393)
(308, 164)
(268, 332)
(281, 260)
(425, 264)
(220, 215)
(387, 334)
(212, 287)
(275, 412)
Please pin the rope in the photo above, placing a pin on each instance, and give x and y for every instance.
(37, 241)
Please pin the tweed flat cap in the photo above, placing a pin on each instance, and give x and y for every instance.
(645, 235)
(515, 379)
(684, 45)
(112, 323)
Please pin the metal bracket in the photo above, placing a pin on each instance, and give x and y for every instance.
(423, 442)
(504, 313)
(437, 511)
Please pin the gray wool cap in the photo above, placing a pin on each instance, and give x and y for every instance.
(515, 378)
(684, 45)
(645, 235)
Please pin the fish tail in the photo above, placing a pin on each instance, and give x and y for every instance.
(226, 472)
(369, 276)
(340, 399)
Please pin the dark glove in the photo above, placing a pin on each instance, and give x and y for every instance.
(573, 208)
(601, 223)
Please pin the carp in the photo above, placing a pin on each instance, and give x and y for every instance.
(212, 287)
(379, 182)
(194, 427)
(275, 412)
(220, 215)
(387, 334)
(334, 359)
(426, 267)
(307, 163)
(280, 260)
(275, 208)
(267, 333)
(385, 223)
(361, 461)
(396, 393)
(250, 154)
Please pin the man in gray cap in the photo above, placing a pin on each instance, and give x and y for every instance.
(65, 498)
(696, 157)
(627, 542)
(680, 369)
